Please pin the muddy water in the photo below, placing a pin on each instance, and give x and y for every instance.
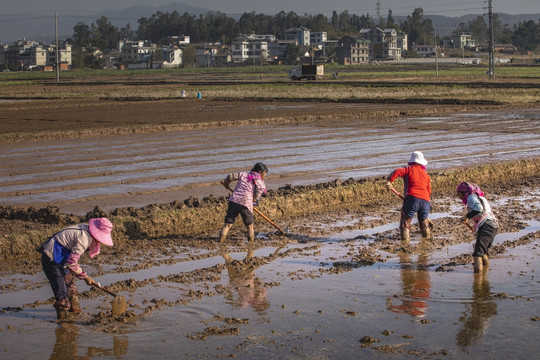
(137, 170)
(295, 301)
(291, 308)
(339, 286)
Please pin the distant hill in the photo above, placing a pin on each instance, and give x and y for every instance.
(445, 25)
(40, 28)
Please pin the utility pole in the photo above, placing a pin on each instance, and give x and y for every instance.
(491, 50)
(436, 57)
(57, 46)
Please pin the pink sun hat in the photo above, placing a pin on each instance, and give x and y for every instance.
(100, 229)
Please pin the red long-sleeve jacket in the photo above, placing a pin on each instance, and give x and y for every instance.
(417, 181)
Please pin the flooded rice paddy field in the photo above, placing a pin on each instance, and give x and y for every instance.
(354, 293)
(339, 284)
(136, 170)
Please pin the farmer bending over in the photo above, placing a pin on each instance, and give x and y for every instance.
(417, 195)
(60, 259)
(246, 194)
(485, 224)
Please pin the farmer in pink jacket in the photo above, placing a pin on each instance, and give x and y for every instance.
(247, 192)
(61, 254)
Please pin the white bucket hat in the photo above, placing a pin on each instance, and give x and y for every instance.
(418, 157)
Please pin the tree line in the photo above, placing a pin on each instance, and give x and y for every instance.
(218, 27)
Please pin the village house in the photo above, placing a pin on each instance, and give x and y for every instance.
(136, 54)
(276, 49)
(318, 37)
(205, 54)
(425, 50)
(383, 43)
(352, 50)
(301, 34)
(252, 47)
(28, 55)
(463, 40)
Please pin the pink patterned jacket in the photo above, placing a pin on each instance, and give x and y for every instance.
(249, 188)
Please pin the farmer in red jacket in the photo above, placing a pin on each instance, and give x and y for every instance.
(417, 195)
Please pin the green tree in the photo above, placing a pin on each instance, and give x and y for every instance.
(126, 33)
(420, 30)
(82, 37)
(188, 56)
(105, 35)
(526, 36)
(335, 20)
(390, 22)
(292, 54)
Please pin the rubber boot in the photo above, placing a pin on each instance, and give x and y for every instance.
(62, 306)
(405, 235)
(75, 306)
(61, 315)
(73, 293)
(485, 261)
(426, 230)
(478, 264)
(404, 226)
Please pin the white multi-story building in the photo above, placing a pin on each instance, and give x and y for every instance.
(384, 43)
(318, 38)
(136, 52)
(64, 54)
(252, 46)
(29, 54)
(171, 57)
(403, 42)
(463, 40)
(301, 34)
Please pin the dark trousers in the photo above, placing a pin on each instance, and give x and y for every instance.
(56, 275)
(484, 238)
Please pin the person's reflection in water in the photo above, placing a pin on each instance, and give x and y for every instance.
(67, 347)
(244, 282)
(481, 309)
(416, 287)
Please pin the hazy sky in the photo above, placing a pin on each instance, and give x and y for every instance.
(399, 7)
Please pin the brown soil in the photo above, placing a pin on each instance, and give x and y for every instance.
(22, 121)
(189, 227)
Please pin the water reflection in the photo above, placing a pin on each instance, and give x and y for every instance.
(245, 289)
(67, 345)
(416, 285)
(480, 311)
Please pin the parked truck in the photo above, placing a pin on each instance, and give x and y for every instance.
(308, 72)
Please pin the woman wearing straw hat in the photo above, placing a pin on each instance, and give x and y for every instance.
(60, 259)
(417, 194)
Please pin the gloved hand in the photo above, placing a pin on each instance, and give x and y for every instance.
(255, 203)
(388, 185)
(89, 281)
(464, 218)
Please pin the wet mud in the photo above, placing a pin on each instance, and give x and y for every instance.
(339, 283)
